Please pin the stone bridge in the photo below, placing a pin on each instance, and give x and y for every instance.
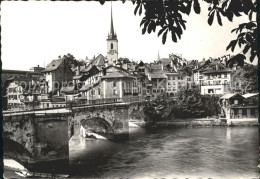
(44, 135)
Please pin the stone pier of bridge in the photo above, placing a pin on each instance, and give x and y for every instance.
(36, 136)
(109, 120)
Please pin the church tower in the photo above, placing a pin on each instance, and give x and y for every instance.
(112, 44)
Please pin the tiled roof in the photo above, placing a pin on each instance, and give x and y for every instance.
(142, 64)
(76, 77)
(229, 95)
(249, 95)
(19, 71)
(26, 79)
(85, 87)
(67, 89)
(158, 75)
(98, 61)
(88, 86)
(216, 71)
(53, 65)
(118, 74)
(202, 65)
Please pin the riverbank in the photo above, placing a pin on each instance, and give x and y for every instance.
(200, 122)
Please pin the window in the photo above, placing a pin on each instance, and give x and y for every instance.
(93, 92)
(235, 101)
(99, 91)
(111, 46)
(236, 111)
(210, 91)
(114, 92)
(244, 112)
(114, 84)
(225, 75)
(252, 112)
(148, 91)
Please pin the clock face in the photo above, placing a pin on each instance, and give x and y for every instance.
(112, 52)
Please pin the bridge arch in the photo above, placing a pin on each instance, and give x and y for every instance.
(97, 125)
(16, 151)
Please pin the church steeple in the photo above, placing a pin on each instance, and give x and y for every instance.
(112, 44)
(112, 34)
(158, 57)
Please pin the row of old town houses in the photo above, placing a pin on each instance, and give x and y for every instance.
(111, 79)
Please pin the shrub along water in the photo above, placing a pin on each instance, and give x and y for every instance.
(189, 104)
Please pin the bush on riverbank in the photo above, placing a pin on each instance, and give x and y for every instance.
(189, 104)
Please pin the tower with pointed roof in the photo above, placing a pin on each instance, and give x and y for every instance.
(112, 44)
(158, 57)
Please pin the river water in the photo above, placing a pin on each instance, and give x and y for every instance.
(220, 152)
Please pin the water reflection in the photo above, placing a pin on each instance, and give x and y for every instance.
(229, 133)
(205, 152)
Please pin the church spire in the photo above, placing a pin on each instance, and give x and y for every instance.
(112, 34)
(158, 57)
(111, 26)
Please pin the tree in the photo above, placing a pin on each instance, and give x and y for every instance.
(168, 17)
(190, 104)
(71, 60)
(245, 79)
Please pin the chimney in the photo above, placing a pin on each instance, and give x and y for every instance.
(171, 64)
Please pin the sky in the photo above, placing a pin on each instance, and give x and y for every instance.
(36, 32)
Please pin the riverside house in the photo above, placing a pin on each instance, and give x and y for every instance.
(239, 108)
